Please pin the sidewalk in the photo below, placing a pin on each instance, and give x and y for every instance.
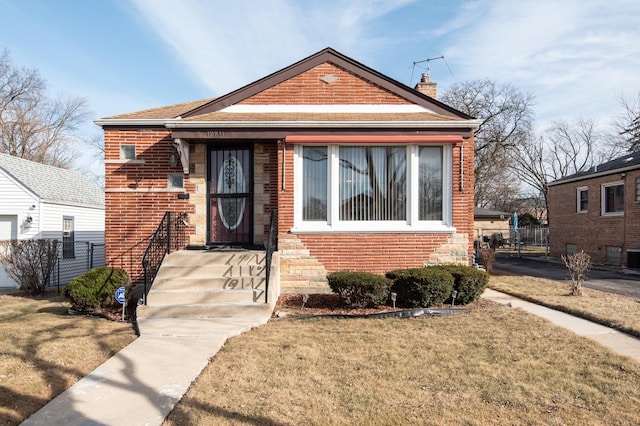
(142, 383)
(616, 341)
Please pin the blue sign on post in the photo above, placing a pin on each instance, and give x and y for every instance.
(120, 298)
(120, 295)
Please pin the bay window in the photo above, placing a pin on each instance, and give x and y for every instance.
(373, 188)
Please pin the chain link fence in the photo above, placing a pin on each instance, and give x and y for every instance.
(75, 259)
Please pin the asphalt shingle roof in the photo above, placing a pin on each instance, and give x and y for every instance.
(625, 162)
(53, 184)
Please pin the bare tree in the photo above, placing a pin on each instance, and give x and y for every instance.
(508, 119)
(567, 147)
(34, 126)
(627, 123)
(578, 265)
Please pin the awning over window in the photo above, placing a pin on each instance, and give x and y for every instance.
(373, 139)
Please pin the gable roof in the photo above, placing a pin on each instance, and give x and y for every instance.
(617, 165)
(53, 184)
(327, 55)
(259, 103)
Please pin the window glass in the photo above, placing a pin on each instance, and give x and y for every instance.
(583, 198)
(314, 181)
(127, 152)
(638, 189)
(613, 199)
(430, 183)
(373, 183)
(68, 238)
(175, 180)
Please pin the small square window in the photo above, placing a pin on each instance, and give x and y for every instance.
(638, 189)
(582, 196)
(571, 249)
(127, 152)
(175, 180)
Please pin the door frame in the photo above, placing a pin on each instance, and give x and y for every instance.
(241, 145)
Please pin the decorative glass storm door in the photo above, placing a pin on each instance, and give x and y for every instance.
(230, 196)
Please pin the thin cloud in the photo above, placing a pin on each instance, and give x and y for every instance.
(228, 45)
(566, 53)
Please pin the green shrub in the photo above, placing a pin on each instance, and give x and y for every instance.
(422, 287)
(359, 289)
(96, 288)
(469, 282)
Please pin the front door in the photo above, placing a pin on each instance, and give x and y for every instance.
(230, 196)
(8, 231)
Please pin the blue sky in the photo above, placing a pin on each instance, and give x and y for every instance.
(576, 56)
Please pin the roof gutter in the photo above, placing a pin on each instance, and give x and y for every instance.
(130, 122)
(595, 175)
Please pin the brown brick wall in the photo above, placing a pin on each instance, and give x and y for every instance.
(135, 195)
(591, 231)
(308, 89)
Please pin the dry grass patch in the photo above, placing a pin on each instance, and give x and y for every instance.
(620, 312)
(43, 351)
(490, 366)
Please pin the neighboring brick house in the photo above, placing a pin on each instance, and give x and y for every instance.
(597, 211)
(364, 172)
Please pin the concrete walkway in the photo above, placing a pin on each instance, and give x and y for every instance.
(618, 342)
(142, 383)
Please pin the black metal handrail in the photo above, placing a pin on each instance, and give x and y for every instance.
(169, 235)
(271, 246)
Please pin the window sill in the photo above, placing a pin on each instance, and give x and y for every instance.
(616, 214)
(384, 228)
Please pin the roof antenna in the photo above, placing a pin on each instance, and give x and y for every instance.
(428, 61)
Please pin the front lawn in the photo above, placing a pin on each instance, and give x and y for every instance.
(495, 365)
(43, 351)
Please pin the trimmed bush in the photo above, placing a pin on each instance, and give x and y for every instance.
(359, 289)
(469, 282)
(96, 288)
(421, 287)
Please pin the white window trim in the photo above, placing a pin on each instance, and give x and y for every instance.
(578, 191)
(412, 224)
(603, 198)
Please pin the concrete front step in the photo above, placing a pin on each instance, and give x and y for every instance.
(209, 270)
(203, 257)
(199, 310)
(205, 284)
(180, 327)
(191, 296)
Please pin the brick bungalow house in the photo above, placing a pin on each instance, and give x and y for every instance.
(597, 211)
(364, 172)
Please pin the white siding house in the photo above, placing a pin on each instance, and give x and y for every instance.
(41, 201)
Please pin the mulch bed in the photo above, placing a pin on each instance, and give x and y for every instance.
(290, 305)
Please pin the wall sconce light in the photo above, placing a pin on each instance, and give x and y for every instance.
(173, 160)
(175, 155)
(27, 222)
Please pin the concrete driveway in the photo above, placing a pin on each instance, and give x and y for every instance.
(611, 280)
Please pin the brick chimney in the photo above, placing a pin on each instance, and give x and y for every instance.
(426, 87)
